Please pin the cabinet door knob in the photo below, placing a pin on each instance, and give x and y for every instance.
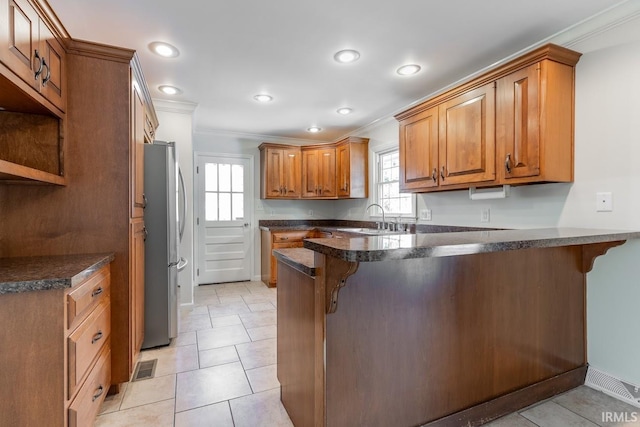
(442, 173)
(434, 175)
(47, 77)
(507, 163)
(36, 55)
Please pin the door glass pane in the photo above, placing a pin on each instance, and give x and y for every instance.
(238, 205)
(237, 178)
(211, 206)
(211, 177)
(225, 206)
(225, 177)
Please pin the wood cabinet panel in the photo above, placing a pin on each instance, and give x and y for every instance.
(138, 237)
(418, 151)
(84, 298)
(54, 81)
(137, 153)
(319, 173)
(280, 172)
(85, 407)
(467, 137)
(20, 38)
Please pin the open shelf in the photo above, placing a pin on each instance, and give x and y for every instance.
(12, 172)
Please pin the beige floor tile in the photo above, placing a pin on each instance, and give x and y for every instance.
(217, 310)
(218, 356)
(550, 414)
(259, 318)
(230, 299)
(263, 332)
(112, 403)
(222, 337)
(184, 338)
(210, 385)
(194, 323)
(233, 292)
(260, 410)
(264, 378)
(256, 298)
(209, 298)
(153, 390)
(258, 353)
(512, 420)
(216, 415)
(172, 360)
(592, 405)
(261, 306)
(158, 414)
(231, 320)
(193, 310)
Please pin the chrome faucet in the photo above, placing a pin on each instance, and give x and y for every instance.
(384, 225)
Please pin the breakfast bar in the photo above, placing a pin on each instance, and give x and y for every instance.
(437, 329)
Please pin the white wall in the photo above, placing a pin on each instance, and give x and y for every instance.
(176, 125)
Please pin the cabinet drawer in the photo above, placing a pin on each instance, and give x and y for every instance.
(85, 343)
(290, 236)
(85, 297)
(285, 245)
(85, 407)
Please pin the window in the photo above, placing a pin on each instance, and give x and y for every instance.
(388, 193)
(224, 198)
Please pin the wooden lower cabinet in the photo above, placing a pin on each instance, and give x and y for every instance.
(56, 356)
(138, 237)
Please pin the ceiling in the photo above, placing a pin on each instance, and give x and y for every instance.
(233, 50)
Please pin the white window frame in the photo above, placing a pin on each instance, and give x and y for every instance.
(377, 176)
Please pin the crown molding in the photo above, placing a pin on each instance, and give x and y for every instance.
(257, 137)
(179, 107)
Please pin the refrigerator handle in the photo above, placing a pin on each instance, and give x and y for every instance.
(182, 264)
(183, 214)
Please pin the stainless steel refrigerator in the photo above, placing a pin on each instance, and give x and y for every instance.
(164, 217)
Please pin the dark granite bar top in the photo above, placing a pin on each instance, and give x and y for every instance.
(334, 224)
(423, 245)
(25, 274)
(299, 258)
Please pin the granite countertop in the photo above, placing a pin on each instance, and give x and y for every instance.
(423, 245)
(299, 258)
(25, 274)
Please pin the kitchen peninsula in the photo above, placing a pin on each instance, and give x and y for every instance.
(446, 329)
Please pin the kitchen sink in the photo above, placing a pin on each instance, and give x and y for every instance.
(370, 231)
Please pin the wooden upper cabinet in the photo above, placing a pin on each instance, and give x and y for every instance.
(31, 51)
(418, 151)
(535, 144)
(467, 137)
(511, 125)
(280, 171)
(137, 153)
(319, 172)
(352, 167)
(54, 57)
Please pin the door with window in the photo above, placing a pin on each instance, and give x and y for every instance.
(223, 219)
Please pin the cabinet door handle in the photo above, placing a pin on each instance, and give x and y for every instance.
(285, 190)
(144, 201)
(507, 163)
(434, 175)
(37, 56)
(320, 190)
(285, 238)
(146, 233)
(442, 173)
(97, 337)
(46, 79)
(98, 393)
(96, 292)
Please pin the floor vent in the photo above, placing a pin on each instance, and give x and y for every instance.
(612, 386)
(145, 370)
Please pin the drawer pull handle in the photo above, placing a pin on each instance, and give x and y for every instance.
(285, 238)
(442, 173)
(39, 71)
(434, 175)
(97, 337)
(507, 163)
(97, 292)
(46, 78)
(99, 392)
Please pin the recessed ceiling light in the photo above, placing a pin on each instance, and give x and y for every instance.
(164, 49)
(169, 90)
(347, 55)
(345, 110)
(408, 70)
(314, 129)
(263, 98)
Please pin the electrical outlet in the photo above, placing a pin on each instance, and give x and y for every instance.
(485, 215)
(425, 214)
(310, 212)
(604, 202)
(272, 212)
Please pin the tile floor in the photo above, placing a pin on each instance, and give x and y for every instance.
(221, 371)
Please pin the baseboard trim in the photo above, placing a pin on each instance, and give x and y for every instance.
(504, 405)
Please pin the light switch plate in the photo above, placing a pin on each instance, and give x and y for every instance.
(604, 202)
(485, 215)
